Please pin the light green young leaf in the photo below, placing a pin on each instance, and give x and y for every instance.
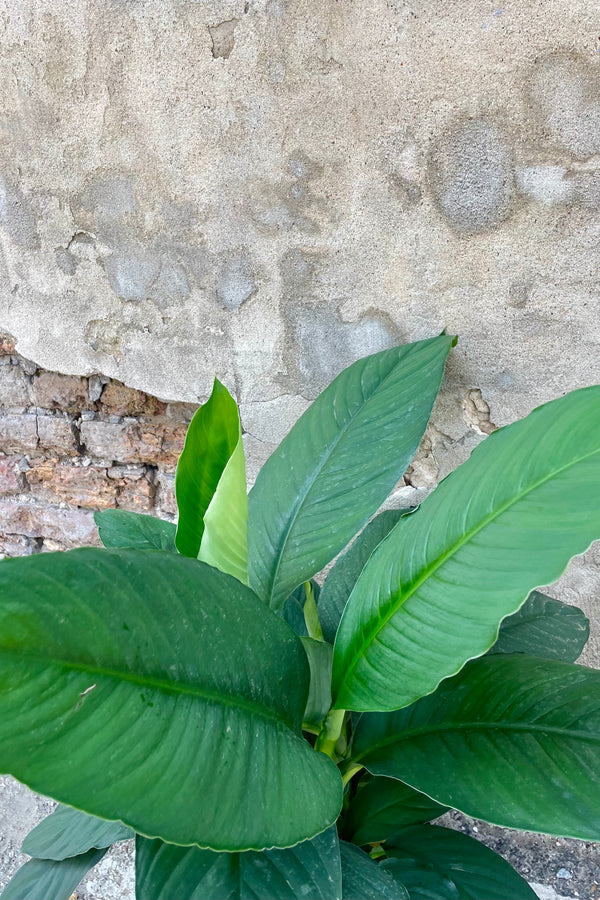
(175, 695)
(433, 594)
(514, 740)
(308, 870)
(339, 463)
(210, 486)
(68, 832)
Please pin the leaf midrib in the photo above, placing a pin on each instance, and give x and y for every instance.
(152, 682)
(325, 456)
(444, 557)
(476, 726)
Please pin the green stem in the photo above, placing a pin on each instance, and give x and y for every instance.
(350, 772)
(311, 616)
(331, 732)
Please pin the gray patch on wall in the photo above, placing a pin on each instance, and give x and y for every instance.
(472, 175)
(17, 216)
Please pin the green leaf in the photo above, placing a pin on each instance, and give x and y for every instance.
(69, 832)
(119, 529)
(434, 592)
(293, 608)
(210, 486)
(154, 689)
(344, 575)
(364, 879)
(384, 805)
(436, 863)
(338, 464)
(49, 879)
(310, 869)
(514, 740)
(544, 627)
(319, 654)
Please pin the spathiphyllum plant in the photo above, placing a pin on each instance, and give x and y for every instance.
(263, 737)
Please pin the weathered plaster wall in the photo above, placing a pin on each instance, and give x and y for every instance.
(268, 189)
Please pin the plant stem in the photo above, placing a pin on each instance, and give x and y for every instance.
(311, 616)
(331, 731)
(350, 772)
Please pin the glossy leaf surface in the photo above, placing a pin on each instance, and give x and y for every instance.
(45, 879)
(210, 486)
(319, 655)
(514, 740)
(544, 627)
(384, 805)
(119, 529)
(338, 464)
(155, 689)
(364, 879)
(311, 869)
(341, 580)
(69, 832)
(293, 608)
(434, 592)
(437, 863)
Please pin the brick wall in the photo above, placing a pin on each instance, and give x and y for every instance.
(70, 445)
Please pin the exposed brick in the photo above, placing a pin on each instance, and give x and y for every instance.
(15, 389)
(12, 480)
(181, 412)
(119, 400)
(7, 344)
(76, 485)
(16, 545)
(136, 494)
(71, 527)
(165, 493)
(18, 434)
(169, 438)
(65, 392)
(158, 444)
(56, 435)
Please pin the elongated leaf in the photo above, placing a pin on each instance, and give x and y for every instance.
(363, 879)
(544, 627)
(319, 654)
(434, 592)
(338, 464)
(69, 832)
(434, 863)
(311, 869)
(210, 486)
(155, 689)
(343, 576)
(45, 879)
(514, 740)
(293, 608)
(119, 529)
(384, 805)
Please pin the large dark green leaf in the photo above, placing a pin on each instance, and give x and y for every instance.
(514, 740)
(154, 689)
(434, 592)
(119, 529)
(384, 805)
(544, 627)
(436, 863)
(343, 576)
(69, 832)
(364, 879)
(210, 486)
(338, 464)
(309, 870)
(46, 879)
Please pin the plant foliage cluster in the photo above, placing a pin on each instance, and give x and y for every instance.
(264, 737)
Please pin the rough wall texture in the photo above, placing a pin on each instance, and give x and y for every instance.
(266, 190)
